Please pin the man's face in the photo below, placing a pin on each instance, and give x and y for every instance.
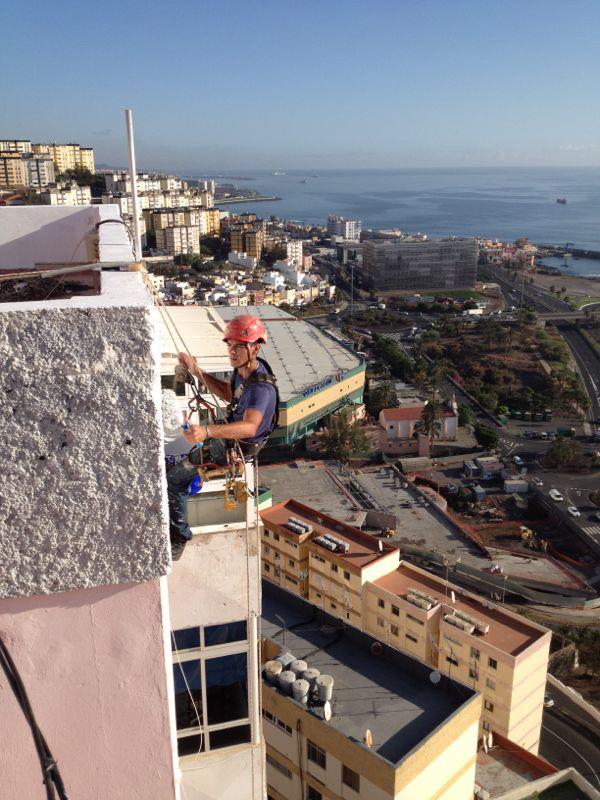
(238, 352)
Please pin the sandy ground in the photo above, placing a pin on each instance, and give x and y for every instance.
(572, 283)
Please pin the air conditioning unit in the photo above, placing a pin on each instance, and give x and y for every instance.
(481, 627)
(422, 595)
(451, 619)
(419, 602)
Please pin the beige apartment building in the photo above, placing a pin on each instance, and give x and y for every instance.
(388, 731)
(67, 156)
(248, 237)
(68, 195)
(178, 239)
(12, 170)
(167, 217)
(361, 580)
(22, 146)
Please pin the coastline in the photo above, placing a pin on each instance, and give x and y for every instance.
(232, 200)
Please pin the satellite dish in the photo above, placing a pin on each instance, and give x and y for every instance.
(435, 677)
(326, 710)
(368, 740)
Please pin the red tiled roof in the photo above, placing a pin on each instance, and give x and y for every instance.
(410, 412)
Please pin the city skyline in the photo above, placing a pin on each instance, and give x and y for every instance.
(330, 86)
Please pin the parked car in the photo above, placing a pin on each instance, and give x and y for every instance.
(548, 700)
(556, 495)
(537, 481)
(596, 516)
(574, 511)
(518, 461)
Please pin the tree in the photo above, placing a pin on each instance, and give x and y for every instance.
(431, 419)
(31, 198)
(382, 396)
(564, 454)
(486, 436)
(344, 438)
(83, 177)
(465, 415)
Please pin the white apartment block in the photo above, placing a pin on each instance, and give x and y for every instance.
(294, 251)
(178, 239)
(22, 146)
(67, 195)
(40, 171)
(346, 228)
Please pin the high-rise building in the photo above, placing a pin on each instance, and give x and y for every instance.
(67, 156)
(13, 171)
(425, 264)
(294, 251)
(178, 239)
(22, 146)
(248, 237)
(345, 228)
(40, 171)
(361, 582)
(70, 194)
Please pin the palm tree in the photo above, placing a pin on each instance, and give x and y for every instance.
(431, 419)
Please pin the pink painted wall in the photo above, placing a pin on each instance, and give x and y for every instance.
(93, 664)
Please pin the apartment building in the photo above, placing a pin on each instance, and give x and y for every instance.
(346, 717)
(67, 156)
(344, 228)
(12, 170)
(178, 239)
(167, 217)
(496, 652)
(294, 252)
(40, 171)
(22, 146)
(405, 265)
(247, 237)
(70, 194)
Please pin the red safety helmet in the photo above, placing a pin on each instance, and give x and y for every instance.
(246, 328)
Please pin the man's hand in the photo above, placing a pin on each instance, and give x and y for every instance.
(189, 362)
(195, 434)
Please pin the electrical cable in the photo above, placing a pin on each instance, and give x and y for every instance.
(51, 776)
(189, 691)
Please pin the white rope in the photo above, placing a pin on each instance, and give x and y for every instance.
(189, 691)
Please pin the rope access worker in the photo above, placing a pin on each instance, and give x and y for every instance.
(252, 412)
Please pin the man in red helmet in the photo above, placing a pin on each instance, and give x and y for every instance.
(251, 393)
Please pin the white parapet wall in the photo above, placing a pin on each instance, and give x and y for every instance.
(83, 502)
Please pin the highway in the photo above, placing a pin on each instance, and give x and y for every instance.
(567, 743)
(589, 367)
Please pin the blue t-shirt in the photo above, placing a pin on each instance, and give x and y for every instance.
(259, 396)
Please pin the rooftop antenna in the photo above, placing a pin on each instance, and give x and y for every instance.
(137, 238)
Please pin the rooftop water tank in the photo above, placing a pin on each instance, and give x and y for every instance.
(325, 687)
(300, 690)
(271, 670)
(286, 680)
(311, 676)
(298, 667)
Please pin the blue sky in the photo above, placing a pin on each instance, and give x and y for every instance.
(234, 85)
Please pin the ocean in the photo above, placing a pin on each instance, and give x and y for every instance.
(492, 202)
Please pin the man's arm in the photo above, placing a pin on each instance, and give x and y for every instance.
(243, 429)
(221, 388)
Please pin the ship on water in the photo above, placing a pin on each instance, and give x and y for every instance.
(561, 200)
(278, 173)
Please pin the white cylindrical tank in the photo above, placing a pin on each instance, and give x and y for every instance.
(271, 670)
(311, 676)
(286, 680)
(298, 667)
(300, 689)
(325, 687)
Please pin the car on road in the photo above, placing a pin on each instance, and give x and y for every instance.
(548, 700)
(518, 461)
(556, 495)
(537, 481)
(574, 511)
(596, 516)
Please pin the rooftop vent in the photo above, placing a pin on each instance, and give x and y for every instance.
(481, 627)
(452, 619)
(420, 602)
(422, 595)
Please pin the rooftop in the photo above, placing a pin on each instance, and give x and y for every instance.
(390, 695)
(299, 354)
(198, 327)
(363, 548)
(508, 632)
(506, 767)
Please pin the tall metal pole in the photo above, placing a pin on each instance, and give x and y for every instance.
(137, 237)
(352, 291)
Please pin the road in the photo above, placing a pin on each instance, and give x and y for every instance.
(566, 743)
(589, 367)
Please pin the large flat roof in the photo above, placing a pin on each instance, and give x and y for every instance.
(390, 694)
(299, 354)
(508, 632)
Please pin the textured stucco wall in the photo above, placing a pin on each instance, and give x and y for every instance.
(93, 664)
(83, 501)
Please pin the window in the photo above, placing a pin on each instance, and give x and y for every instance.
(346, 575)
(395, 611)
(267, 568)
(318, 558)
(333, 605)
(395, 630)
(291, 562)
(267, 549)
(475, 654)
(350, 778)
(380, 622)
(210, 676)
(488, 706)
(291, 580)
(266, 533)
(315, 754)
(272, 762)
(276, 537)
(380, 603)
(492, 663)
(415, 619)
(474, 673)
(334, 567)
(452, 660)
(267, 715)
(411, 638)
(490, 683)
(312, 794)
